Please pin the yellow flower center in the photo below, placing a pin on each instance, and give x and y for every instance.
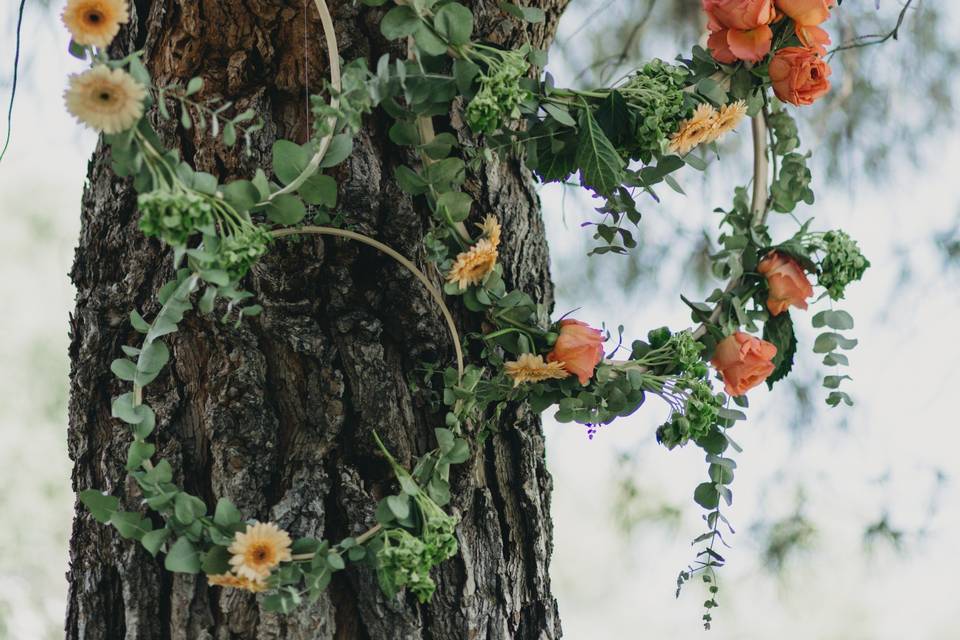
(260, 554)
(93, 16)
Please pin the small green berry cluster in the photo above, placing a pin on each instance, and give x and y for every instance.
(403, 563)
(500, 94)
(842, 264)
(656, 94)
(236, 253)
(700, 414)
(404, 560)
(173, 216)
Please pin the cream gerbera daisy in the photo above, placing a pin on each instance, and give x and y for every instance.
(258, 550)
(105, 99)
(728, 118)
(491, 230)
(695, 131)
(472, 266)
(232, 581)
(532, 368)
(94, 22)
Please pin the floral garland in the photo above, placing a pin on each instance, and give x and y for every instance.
(622, 141)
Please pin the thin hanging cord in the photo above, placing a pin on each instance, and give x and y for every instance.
(13, 89)
(306, 71)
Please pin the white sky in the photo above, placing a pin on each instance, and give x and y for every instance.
(903, 426)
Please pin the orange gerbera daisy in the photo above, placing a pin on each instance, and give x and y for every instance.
(728, 118)
(697, 130)
(233, 581)
(258, 550)
(95, 22)
(473, 265)
(105, 99)
(531, 368)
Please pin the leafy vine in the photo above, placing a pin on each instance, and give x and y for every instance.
(622, 141)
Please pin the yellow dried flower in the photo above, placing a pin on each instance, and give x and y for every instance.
(491, 230)
(232, 581)
(105, 99)
(728, 118)
(258, 550)
(473, 265)
(695, 131)
(531, 368)
(94, 22)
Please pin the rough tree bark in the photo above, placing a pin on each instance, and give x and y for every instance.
(277, 415)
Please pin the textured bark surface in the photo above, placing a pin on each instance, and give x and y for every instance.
(277, 415)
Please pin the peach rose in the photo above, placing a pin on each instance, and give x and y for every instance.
(738, 29)
(743, 361)
(742, 15)
(808, 13)
(787, 283)
(799, 75)
(579, 348)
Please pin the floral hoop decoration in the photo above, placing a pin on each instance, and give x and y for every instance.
(622, 142)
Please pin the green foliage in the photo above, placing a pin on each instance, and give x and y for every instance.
(500, 93)
(615, 137)
(778, 330)
(174, 216)
(842, 263)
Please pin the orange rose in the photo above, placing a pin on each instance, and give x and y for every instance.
(799, 75)
(808, 13)
(579, 348)
(787, 283)
(743, 361)
(742, 15)
(739, 29)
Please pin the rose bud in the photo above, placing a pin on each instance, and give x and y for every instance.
(743, 361)
(579, 348)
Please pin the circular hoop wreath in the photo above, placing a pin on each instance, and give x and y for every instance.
(622, 142)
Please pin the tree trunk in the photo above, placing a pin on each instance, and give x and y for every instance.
(278, 414)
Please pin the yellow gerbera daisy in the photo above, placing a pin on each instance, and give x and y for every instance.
(491, 230)
(105, 99)
(232, 581)
(94, 22)
(728, 118)
(695, 131)
(257, 551)
(472, 266)
(531, 368)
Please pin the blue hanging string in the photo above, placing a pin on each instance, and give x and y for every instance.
(13, 89)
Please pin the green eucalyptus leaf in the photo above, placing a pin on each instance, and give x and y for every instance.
(454, 22)
(130, 525)
(320, 189)
(153, 541)
(706, 496)
(286, 209)
(341, 146)
(101, 505)
(454, 205)
(182, 557)
(399, 22)
(289, 160)
(226, 514)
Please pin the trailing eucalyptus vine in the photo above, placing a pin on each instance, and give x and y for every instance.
(620, 141)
